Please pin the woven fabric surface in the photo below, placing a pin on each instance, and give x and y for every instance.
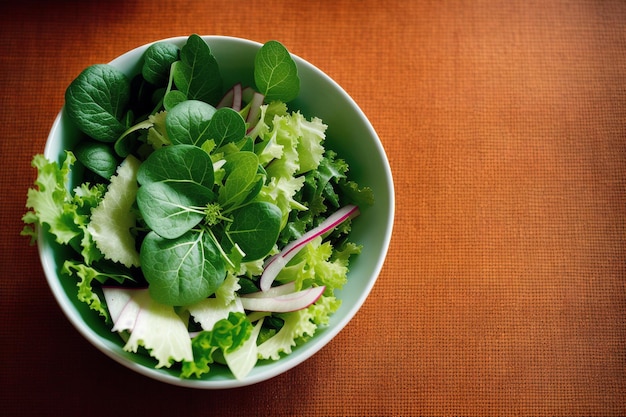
(504, 290)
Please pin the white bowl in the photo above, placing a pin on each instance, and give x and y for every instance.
(349, 133)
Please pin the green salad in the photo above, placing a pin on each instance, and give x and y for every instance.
(211, 226)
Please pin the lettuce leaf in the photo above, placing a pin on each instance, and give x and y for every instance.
(112, 220)
(51, 202)
(309, 147)
(281, 192)
(298, 324)
(85, 198)
(226, 337)
(290, 146)
(241, 361)
(315, 266)
(65, 213)
(85, 290)
(155, 326)
(286, 134)
(318, 263)
(207, 312)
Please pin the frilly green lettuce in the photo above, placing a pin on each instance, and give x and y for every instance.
(298, 324)
(226, 336)
(316, 264)
(65, 213)
(112, 220)
(290, 146)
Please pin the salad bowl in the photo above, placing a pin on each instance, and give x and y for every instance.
(349, 133)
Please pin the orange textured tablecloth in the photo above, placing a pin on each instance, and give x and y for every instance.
(504, 291)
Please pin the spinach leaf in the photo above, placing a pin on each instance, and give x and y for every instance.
(158, 59)
(226, 126)
(276, 73)
(197, 73)
(96, 101)
(184, 270)
(98, 157)
(171, 209)
(255, 228)
(173, 98)
(240, 178)
(188, 122)
(178, 163)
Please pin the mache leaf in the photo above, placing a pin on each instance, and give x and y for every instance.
(98, 157)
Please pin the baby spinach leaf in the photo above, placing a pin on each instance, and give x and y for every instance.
(158, 59)
(171, 209)
(255, 228)
(172, 98)
(255, 188)
(178, 163)
(98, 157)
(188, 122)
(197, 73)
(226, 126)
(96, 101)
(240, 178)
(184, 270)
(276, 73)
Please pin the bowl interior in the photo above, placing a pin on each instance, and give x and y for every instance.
(349, 133)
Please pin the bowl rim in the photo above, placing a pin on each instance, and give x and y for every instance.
(284, 364)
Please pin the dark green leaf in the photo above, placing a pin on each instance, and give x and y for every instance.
(188, 122)
(178, 163)
(184, 270)
(173, 98)
(172, 208)
(247, 144)
(197, 74)
(276, 73)
(255, 228)
(226, 126)
(98, 157)
(96, 101)
(158, 59)
(241, 177)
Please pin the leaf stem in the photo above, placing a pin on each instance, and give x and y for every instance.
(146, 124)
(219, 247)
